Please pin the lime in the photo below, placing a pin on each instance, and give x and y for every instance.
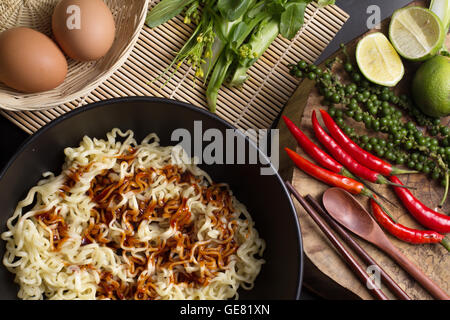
(442, 10)
(378, 60)
(431, 87)
(416, 33)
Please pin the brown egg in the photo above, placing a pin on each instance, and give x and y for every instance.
(84, 29)
(30, 61)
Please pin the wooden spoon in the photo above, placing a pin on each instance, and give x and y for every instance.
(345, 209)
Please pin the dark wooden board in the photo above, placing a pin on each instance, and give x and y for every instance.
(326, 268)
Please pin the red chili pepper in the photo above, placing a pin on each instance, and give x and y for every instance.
(404, 233)
(315, 152)
(327, 176)
(343, 157)
(362, 156)
(321, 156)
(429, 218)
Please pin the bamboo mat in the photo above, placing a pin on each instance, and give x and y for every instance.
(255, 105)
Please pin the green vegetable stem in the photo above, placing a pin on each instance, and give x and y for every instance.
(217, 78)
(253, 50)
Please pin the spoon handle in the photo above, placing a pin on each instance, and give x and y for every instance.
(416, 273)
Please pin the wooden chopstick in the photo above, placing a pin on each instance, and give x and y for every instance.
(390, 283)
(354, 265)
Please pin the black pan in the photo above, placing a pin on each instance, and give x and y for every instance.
(265, 196)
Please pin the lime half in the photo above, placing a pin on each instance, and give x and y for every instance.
(378, 60)
(416, 33)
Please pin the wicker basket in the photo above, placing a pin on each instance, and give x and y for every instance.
(82, 77)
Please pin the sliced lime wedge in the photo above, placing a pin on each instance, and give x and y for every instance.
(416, 33)
(378, 60)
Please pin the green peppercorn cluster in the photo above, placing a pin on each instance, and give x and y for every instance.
(381, 110)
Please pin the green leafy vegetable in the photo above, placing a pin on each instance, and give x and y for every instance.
(292, 19)
(230, 35)
(233, 9)
(323, 3)
(192, 14)
(165, 10)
